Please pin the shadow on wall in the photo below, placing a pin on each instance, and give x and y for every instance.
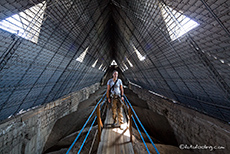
(65, 126)
(71, 123)
(155, 124)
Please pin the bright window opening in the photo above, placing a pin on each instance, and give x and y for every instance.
(82, 56)
(177, 23)
(140, 57)
(122, 69)
(130, 64)
(94, 64)
(104, 69)
(100, 66)
(125, 67)
(26, 24)
(113, 62)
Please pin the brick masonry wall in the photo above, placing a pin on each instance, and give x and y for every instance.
(191, 128)
(28, 132)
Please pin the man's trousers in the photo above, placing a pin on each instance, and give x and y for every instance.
(117, 111)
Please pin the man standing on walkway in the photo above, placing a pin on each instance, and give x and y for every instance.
(115, 94)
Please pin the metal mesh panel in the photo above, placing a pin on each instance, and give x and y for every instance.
(152, 41)
(193, 68)
(36, 73)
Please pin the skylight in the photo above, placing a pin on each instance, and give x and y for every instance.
(104, 69)
(113, 62)
(82, 56)
(26, 24)
(94, 64)
(100, 66)
(140, 57)
(130, 64)
(125, 67)
(122, 69)
(177, 23)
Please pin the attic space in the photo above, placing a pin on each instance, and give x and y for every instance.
(177, 49)
(54, 51)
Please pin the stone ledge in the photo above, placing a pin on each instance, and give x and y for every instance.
(28, 132)
(190, 127)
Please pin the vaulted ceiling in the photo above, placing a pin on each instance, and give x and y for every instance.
(179, 49)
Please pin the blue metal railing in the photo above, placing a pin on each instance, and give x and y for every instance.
(84, 126)
(127, 101)
(129, 105)
(140, 135)
(90, 129)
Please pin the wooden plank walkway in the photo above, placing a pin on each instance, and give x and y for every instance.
(113, 139)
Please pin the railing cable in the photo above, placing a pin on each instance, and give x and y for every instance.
(84, 125)
(140, 134)
(141, 125)
(87, 135)
(94, 138)
(89, 130)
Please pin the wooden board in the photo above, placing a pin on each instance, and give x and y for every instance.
(115, 140)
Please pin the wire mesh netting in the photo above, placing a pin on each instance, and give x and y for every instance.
(184, 50)
(179, 49)
(37, 72)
